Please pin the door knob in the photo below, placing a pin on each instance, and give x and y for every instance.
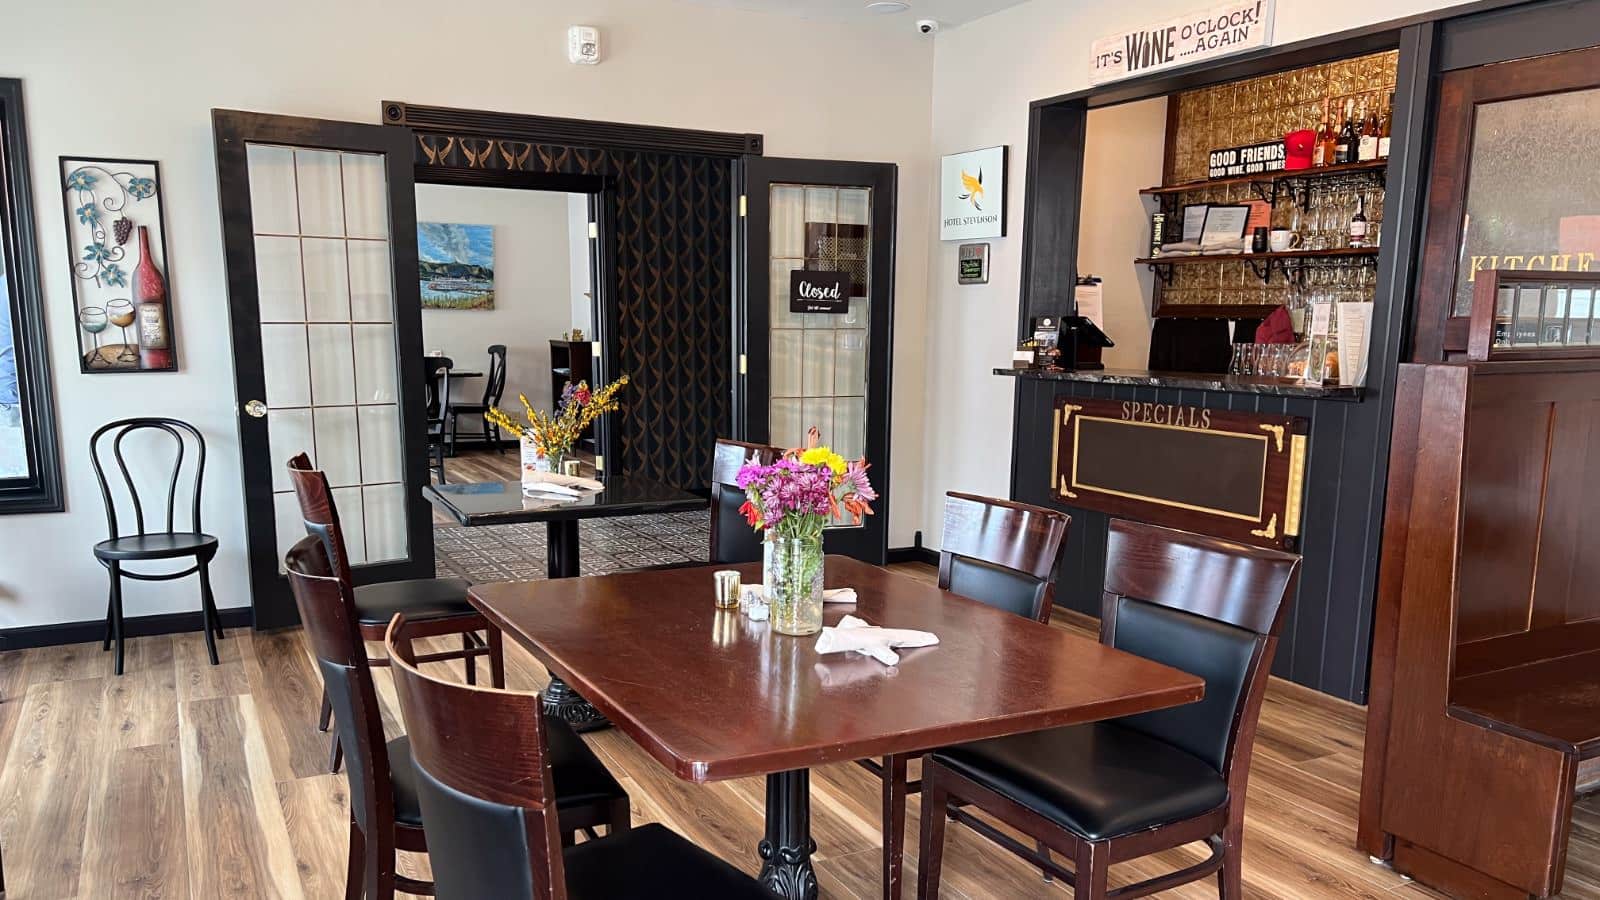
(255, 409)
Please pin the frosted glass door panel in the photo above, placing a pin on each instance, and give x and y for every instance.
(323, 271)
(819, 361)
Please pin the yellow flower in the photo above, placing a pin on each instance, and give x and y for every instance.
(824, 456)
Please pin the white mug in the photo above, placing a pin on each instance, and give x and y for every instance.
(1282, 239)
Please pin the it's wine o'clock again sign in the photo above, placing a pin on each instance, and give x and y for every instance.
(1219, 31)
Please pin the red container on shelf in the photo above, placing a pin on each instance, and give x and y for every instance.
(1297, 147)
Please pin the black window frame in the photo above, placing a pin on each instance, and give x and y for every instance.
(39, 491)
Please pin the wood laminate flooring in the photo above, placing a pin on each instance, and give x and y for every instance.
(184, 780)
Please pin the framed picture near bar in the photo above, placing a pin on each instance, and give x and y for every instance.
(972, 195)
(1232, 474)
(116, 241)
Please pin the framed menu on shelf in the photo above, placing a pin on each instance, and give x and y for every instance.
(1194, 221)
(1224, 225)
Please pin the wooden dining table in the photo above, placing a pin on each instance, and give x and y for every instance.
(712, 694)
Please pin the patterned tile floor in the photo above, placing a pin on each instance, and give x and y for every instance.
(517, 552)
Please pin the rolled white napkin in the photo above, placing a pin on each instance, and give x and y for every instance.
(860, 636)
(829, 595)
(552, 490)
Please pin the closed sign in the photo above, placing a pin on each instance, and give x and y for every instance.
(819, 292)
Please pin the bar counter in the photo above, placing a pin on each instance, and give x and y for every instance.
(1200, 381)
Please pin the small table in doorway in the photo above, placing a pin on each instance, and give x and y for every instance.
(503, 503)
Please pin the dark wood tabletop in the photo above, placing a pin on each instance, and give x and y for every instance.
(503, 503)
(714, 695)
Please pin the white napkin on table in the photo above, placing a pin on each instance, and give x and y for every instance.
(860, 636)
(559, 485)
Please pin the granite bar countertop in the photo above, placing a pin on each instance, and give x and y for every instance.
(1200, 381)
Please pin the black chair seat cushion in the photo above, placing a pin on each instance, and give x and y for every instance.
(654, 861)
(1099, 780)
(421, 599)
(579, 777)
(157, 546)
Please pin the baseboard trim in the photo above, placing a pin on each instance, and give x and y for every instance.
(29, 636)
(913, 555)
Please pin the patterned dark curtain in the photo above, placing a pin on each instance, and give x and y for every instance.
(673, 252)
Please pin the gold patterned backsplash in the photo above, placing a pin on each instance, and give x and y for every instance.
(1249, 112)
(1266, 108)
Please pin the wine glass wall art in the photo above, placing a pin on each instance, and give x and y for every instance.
(116, 240)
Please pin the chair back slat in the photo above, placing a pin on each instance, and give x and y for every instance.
(181, 433)
(483, 781)
(328, 612)
(436, 387)
(1210, 607)
(732, 538)
(320, 515)
(1001, 552)
(494, 386)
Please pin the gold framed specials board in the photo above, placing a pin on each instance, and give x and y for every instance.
(1231, 474)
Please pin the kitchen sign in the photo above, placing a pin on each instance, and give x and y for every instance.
(1216, 32)
(819, 292)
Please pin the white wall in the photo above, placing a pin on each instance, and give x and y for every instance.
(813, 89)
(578, 275)
(985, 74)
(531, 287)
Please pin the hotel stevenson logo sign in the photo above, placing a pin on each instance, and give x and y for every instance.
(972, 195)
(1219, 31)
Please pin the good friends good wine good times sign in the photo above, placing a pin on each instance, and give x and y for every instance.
(1219, 31)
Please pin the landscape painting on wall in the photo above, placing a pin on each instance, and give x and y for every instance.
(456, 263)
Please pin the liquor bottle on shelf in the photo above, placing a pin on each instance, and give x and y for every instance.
(1358, 223)
(1322, 148)
(150, 293)
(1367, 148)
(1345, 145)
(1385, 126)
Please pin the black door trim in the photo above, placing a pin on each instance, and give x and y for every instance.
(270, 598)
(571, 132)
(871, 542)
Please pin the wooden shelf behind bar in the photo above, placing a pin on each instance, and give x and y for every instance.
(1264, 177)
(1257, 257)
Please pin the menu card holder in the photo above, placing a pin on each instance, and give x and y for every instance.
(1081, 343)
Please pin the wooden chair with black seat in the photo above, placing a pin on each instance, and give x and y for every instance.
(494, 387)
(385, 814)
(436, 398)
(486, 785)
(732, 538)
(1116, 790)
(1002, 554)
(437, 604)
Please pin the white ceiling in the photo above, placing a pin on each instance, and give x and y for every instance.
(948, 12)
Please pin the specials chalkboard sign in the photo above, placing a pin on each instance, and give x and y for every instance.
(819, 292)
(1231, 474)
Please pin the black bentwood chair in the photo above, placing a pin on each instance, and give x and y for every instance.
(1001, 554)
(436, 396)
(385, 814)
(493, 389)
(1129, 787)
(146, 545)
(487, 788)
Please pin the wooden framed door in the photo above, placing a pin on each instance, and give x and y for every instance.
(1510, 184)
(320, 237)
(829, 370)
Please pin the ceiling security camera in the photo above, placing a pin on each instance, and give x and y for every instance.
(927, 26)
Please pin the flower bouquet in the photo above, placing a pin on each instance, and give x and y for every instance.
(552, 436)
(794, 499)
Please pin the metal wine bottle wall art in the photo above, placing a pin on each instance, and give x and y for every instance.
(116, 240)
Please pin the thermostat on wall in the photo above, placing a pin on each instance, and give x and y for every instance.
(972, 264)
(583, 45)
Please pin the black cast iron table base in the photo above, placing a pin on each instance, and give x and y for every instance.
(560, 700)
(786, 850)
